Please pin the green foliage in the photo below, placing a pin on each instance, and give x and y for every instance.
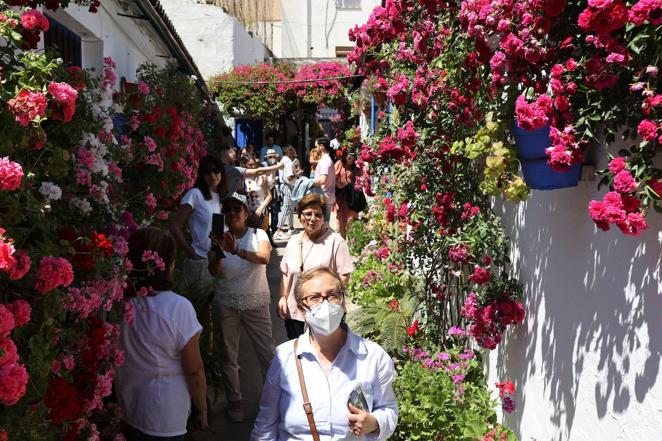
(501, 164)
(359, 235)
(274, 91)
(433, 407)
(374, 283)
(385, 324)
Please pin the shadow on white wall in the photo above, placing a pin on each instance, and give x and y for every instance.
(586, 360)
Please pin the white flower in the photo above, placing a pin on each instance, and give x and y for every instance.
(50, 191)
(82, 204)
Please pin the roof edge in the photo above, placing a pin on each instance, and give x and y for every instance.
(158, 18)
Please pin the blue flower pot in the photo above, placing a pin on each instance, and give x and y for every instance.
(540, 176)
(531, 145)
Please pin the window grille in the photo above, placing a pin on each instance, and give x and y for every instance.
(348, 4)
(64, 42)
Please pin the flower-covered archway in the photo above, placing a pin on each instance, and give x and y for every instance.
(281, 91)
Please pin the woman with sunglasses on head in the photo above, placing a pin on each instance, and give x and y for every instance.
(238, 262)
(345, 380)
(317, 245)
(195, 211)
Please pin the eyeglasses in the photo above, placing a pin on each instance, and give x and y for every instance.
(334, 297)
(232, 209)
(311, 214)
(210, 171)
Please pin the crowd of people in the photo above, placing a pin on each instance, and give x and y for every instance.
(325, 381)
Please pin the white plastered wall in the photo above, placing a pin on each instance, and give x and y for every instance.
(329, 25)
(586, 361)
(129, 42)
(216, 41)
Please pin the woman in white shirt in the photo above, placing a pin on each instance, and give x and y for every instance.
(241, 295)
(336, 365)
(195, 211)
(258, 195)
(162, 367)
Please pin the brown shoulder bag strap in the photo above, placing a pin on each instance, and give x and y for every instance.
(307, 407)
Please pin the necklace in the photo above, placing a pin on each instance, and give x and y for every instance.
(303, 259)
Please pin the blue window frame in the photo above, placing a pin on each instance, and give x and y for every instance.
(65, 42)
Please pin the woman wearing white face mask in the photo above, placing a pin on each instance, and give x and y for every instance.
(345, 380)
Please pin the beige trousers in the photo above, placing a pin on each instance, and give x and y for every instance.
(257, 325)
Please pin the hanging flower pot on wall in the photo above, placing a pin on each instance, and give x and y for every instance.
(531, 145)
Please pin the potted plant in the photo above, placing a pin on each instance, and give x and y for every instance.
(532, 146)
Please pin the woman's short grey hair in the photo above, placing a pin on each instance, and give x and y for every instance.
(314, 273)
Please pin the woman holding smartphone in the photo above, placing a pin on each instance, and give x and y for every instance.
(238, 262)
(338, 369)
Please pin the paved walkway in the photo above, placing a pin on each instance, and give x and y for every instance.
(220, 428)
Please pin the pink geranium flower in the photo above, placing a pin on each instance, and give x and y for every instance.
(647, 129)
(11, 174)
(7, 322)
(13, 378)
(8, 352)
(533, 115)
(7, 250)
(21, 265)
(32, 19)
(65, 96)
(27, 106)
(617, 165)
(624, 182)
(53, 272)
(21, 311)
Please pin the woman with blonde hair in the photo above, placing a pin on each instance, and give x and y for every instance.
(329, 383)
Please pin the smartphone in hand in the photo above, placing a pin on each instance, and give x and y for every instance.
(357, 399)
(218, 225)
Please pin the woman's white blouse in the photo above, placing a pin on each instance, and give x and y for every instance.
(281, 415)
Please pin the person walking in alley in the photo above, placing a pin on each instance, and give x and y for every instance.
(270, 145)
(195, 212)
(325, 176)
(345, 381)
(346, 173)
(162, 367)
(238, 262)
(313, 159)
(271, 158)
(258, 193)
(287, 178)
(228, 157)
(317, 245)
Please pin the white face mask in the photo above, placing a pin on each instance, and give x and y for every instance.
(324, 318)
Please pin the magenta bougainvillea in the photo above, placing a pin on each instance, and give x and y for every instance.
(273, 91)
